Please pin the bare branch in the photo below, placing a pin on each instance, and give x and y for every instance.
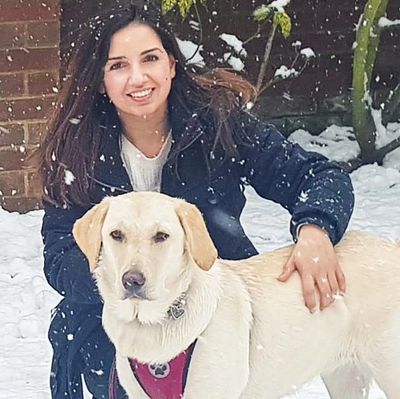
(267, 52)
(200, 30)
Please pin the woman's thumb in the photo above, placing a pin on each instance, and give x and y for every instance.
(287, 271)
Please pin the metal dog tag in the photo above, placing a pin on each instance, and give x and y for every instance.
(176, 312)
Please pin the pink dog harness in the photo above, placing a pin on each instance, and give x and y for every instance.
(159, 381)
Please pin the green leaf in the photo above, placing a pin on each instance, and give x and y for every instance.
(283, 21)
(262, 13)
(168, 5)
(184, 7)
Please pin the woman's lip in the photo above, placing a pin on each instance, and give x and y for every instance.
(150, 90)
(141, 99)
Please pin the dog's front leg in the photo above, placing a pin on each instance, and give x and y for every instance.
(219, 366)
(218, 370)
(127, 378)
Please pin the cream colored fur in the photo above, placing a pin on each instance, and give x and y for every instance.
(256, 339)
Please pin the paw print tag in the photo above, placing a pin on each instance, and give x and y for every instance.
(159, 370)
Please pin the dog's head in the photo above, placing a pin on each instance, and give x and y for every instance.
(140, 244)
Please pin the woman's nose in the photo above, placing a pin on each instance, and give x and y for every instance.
(137, 76)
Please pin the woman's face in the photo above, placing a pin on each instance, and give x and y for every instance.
(138, 73)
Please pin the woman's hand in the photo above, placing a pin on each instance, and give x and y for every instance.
(314, 258)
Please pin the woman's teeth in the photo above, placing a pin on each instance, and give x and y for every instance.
(140, 94)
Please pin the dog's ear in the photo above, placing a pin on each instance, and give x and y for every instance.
(198, 240)
(87, 232)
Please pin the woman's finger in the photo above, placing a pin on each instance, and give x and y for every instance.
(325, 293)
(308, 286)
(340, 279)
(333, 282)
(287, 271)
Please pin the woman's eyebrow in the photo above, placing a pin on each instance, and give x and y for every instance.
(150, 50)
(121, 57)
(142, 53)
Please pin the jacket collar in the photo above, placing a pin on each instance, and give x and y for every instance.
(109, 171)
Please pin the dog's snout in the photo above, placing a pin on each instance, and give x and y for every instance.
(133, 281)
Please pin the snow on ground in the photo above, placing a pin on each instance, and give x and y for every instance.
(26, 299)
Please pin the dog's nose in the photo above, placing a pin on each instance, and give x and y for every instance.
(133, 282)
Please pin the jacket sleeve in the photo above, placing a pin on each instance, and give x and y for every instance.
(65, 266)
(313, 189)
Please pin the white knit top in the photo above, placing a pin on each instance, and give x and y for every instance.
(144, 173)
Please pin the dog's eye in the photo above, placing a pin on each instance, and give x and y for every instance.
(117, 235)
(160, 236)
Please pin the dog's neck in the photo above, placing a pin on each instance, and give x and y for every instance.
(152, 335)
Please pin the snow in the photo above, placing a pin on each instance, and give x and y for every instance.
(284, 72)
(234, 42)
(384, 135)
(69, 177)
(278, 5)
(26, 299)
(385, 22)
(308, 52)
(189, 48)
(235, 62)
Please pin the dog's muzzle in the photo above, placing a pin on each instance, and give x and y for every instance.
(134, 282)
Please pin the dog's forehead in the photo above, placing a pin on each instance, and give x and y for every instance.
(142, 209)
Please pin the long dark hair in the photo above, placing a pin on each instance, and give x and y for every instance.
(82, 114)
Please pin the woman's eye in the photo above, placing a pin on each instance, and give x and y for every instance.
(117, 235)
(151, 58)
(160, 237)
(116, 66)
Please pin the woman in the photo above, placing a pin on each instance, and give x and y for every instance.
(133, 117)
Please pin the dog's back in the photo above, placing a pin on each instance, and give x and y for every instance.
(362, 327)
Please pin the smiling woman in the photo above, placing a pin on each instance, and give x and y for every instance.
(134, 117)
(137, 79)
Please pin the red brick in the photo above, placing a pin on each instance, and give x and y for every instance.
(12, 35)
(11, 85)
(12, 183)
(12, 159)
(35, 132)
(11, 134)
(43, 34)
(43, 82)
(40, 59)
(23, 109)
(29, 10)
(20, 204)
(34, 184)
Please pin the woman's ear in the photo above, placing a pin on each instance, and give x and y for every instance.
(172, 64)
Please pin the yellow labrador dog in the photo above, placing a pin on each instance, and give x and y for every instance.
(151, 254)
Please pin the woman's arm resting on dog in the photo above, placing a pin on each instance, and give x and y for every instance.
(65, 266)
(313, 189)
(315, 259)
(318, 194)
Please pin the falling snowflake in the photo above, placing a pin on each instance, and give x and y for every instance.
(69, 177)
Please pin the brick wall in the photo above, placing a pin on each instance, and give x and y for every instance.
(29, 74)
